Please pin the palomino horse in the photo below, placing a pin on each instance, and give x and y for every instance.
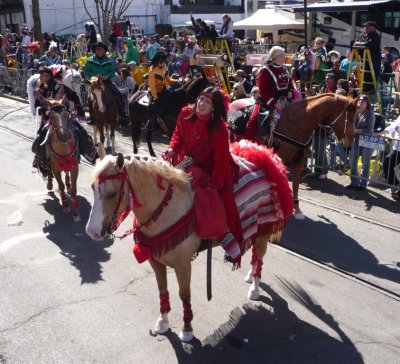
(139, 111)
(292, 135)
(104, 112)
(161, 198)
(62, 153)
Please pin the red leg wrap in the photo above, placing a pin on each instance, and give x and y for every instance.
(164, 303)
(258, 268)
(187, 313)
(74, 204)
(253, 260)
(63, 196)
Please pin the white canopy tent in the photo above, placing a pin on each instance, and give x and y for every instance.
(268, 20)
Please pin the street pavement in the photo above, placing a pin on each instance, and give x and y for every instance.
(67, 299)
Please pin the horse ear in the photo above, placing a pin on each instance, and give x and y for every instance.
(101, 151)
(120, 160)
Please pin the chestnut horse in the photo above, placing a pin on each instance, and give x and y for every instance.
(63, 155)
(104, 112)
(292, 135)
(161, 198)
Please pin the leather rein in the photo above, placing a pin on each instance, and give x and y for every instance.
(116, 219)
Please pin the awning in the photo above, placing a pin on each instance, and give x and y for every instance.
(268, 20)
(341, 6)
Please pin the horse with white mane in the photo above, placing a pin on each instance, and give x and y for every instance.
(161, 198)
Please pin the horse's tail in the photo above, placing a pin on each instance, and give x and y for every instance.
(274, 169)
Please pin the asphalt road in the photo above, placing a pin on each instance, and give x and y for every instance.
(67, 299)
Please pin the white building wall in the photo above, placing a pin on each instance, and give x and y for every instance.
(69, 16)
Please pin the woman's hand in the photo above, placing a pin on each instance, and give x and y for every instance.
(168, 154)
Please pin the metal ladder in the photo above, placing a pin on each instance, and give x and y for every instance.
(361, 63)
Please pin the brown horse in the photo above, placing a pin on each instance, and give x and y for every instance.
(292, 135)
(139, 111)
(62, 154)
(161, 198)
(104, 112)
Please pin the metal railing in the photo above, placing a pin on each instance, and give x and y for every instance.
(14, 81)
(373, 160)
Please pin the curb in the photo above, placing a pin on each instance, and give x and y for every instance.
(15, 98)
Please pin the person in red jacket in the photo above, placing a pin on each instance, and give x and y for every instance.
(201, 133)
(274, 82)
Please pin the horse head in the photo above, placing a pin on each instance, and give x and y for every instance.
(111, 195)
(58, 118)
(195, 86)
(73, 80)
(97, 88)
(343, 126)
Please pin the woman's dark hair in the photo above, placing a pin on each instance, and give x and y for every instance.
(367, 100)
(220, 103)
(124, 73)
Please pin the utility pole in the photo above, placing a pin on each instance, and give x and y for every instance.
(37, 25)
(305, 24)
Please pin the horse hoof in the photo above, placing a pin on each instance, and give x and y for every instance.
(186, 336)
(49, 186)
(253, 294)
(162, 326)
(76, 218)
(299, 216)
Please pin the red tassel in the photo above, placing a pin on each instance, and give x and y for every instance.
(141, 253)
(258, 269)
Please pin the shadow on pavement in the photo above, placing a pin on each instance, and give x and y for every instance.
(83, 253)
(371, 197)
(325, 242)
(259, 335)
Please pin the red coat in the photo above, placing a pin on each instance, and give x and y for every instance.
(210, 151)
(274, 81)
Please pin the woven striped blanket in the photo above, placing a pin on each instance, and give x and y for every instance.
(257, 204)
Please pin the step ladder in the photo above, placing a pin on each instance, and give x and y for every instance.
(219, 47)
(362, 57)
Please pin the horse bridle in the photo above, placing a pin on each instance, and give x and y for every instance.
(117, 220)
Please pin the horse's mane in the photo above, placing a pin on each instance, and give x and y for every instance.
(298, 105)
(150, 165)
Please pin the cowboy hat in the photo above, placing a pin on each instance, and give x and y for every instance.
(159, 57)
(45, 70)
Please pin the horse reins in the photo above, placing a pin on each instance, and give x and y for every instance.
(117, 220)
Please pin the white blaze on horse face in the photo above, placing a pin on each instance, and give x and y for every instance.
(94, 225)
(60, 123)
(99, 99)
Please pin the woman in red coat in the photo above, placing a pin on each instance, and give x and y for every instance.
(274, 82)
(201, 133)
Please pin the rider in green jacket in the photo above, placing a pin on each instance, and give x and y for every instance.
(102, 66)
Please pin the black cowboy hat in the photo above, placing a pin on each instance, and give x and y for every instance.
(159, 57)
(102, 45)
(45, 70)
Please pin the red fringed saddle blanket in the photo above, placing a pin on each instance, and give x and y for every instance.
(262, 195)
